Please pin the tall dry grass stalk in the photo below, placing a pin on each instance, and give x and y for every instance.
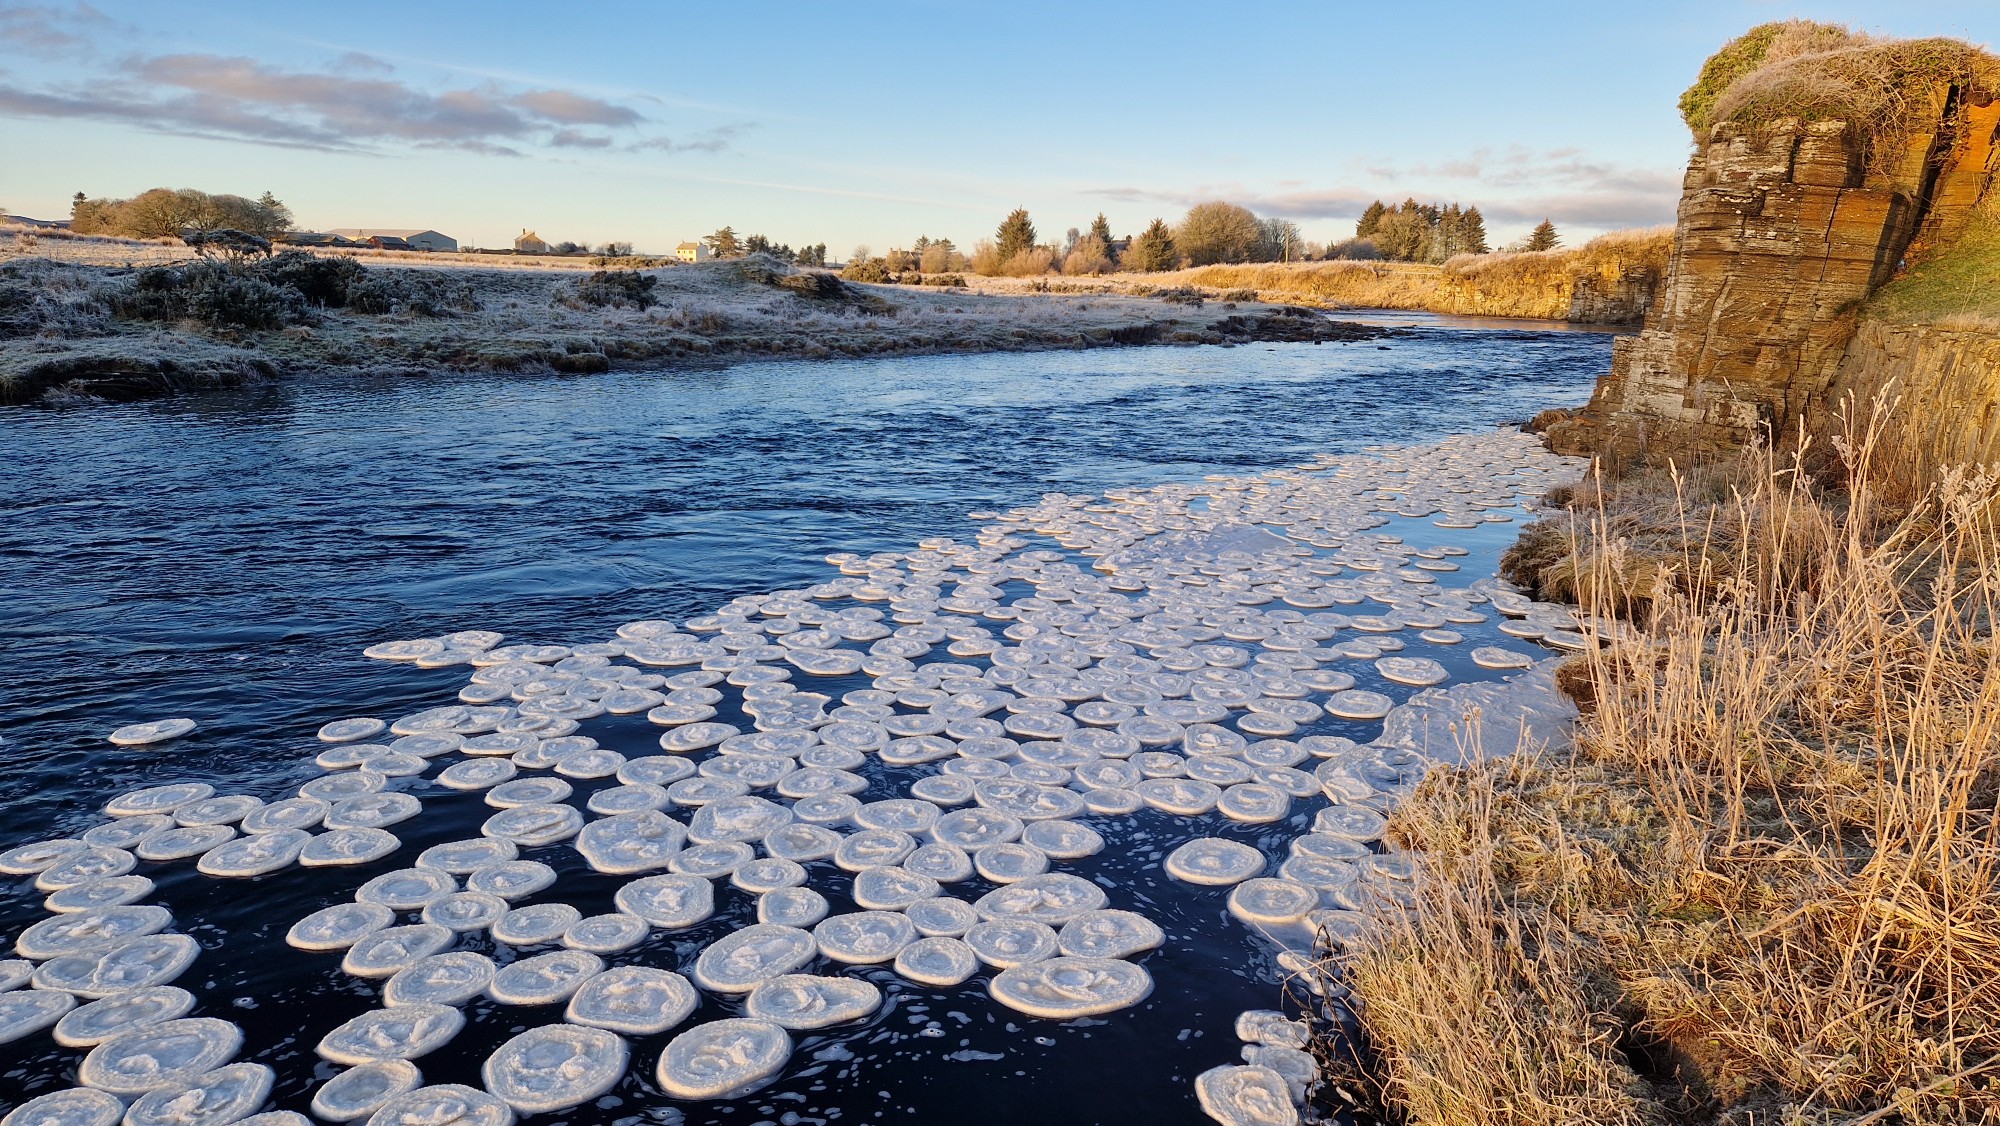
(1765, 881)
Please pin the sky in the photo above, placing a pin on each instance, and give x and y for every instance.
(871, 123)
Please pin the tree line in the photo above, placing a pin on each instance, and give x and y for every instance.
(725, 243)
(172, 212)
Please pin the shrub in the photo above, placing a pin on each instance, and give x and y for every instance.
(212, 294)
(1032, 262)
(411, 292)
(948, 280)
(618, 289)
(320, 281)
(986, 258)
(1218, 232)
(1354, 250)
(867, 270)
(1237, 295)
(1181, 295)
(1091, 256)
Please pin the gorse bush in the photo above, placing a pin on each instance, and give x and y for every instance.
(211, 293)
(411, 293)
(323, 282)
(618, 289)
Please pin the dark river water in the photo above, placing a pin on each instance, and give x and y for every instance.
(226, 558)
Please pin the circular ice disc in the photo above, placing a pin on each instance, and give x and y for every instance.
(864, 937)
(1244, 1095)
(723, 1058)
(347, 847)
(509, 879)
(1054, 898)
(1009, 942)
(1419, 671)
(465, 911)
(153, 960)
(1066, 987)
(386, 951)
(286, 813)
(110, 891)
(555, 1066)
(89, 932)
(74, 1106)
(373, 811)
(361, 1091)
(1063, 840)
(446, 1104)
(92, 864)
(1254, 802)
(791, 907)
(158, 799)
(213, 1098)
(146, 734)
(640, 841)
(461, 857)
(399, 1033)
(802, 843)
(1188, 797)
(1357, 703)
(29, 859)
(527, 791)
(25, 1011)
(535, 924)
(477, 773)
(756, 953)
(940, 862)
(768, 874)
(655, 770)
(332, 788)
(633, 1001)
(1350, 822)
(534, 825)
(807, 1001)
(441, 979)
(942, 916)
(1270, 902)
(606, 934)
(631, 797)
(161, 1055)
(1109, 934)
(1010, 862)
(712, 861)
(1494, 657)
(891, 889)
(1113, 800)
(351, 730)
(339, 926)
(407, 889)
(544, 979)
(937, 960)
(124, 832)
(255, 855)
(14, 973)
(671, 902)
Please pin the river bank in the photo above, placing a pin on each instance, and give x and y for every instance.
(79, 328)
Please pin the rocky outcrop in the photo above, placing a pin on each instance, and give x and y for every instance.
(1943, 382)
(1784, 230)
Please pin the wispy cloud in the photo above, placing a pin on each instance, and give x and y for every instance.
(357, 102)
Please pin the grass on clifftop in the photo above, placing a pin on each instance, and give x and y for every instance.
(1765, 884)
(1540, 285)
(1957, 287)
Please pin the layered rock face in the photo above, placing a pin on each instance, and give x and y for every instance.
(1784, 231)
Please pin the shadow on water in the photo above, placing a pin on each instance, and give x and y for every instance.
(227, 558)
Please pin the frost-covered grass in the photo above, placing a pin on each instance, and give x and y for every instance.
(66, 301)
(1766, 879)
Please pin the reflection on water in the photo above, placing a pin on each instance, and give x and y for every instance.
(226, 558)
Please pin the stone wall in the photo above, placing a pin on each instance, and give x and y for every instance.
(1784, 231)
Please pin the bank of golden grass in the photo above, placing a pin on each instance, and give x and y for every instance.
(1542, 284)
(1762, 885)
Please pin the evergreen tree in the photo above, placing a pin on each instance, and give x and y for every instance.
(1016, 234)
(1101, 227)
(723, 244)
(1544, 237)
(1153, 249)
(1370, 220)
(1472, 228)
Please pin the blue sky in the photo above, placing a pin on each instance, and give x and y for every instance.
(871, 123)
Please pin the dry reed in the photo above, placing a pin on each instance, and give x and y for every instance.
(1762, 884)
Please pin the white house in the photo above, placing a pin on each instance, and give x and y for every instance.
(692, 252)
(530, 243)
(418, 239)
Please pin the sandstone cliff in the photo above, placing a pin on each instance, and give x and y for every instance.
(1787, 225)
